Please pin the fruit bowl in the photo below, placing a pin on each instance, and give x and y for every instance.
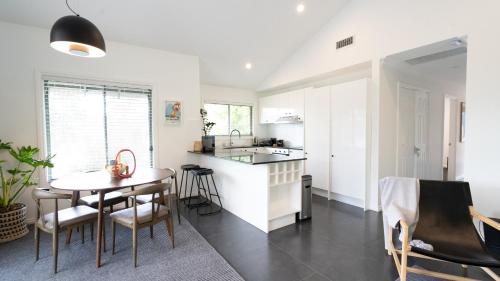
(116, 170)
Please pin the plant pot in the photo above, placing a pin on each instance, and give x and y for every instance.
(13, 223)
(208, 143)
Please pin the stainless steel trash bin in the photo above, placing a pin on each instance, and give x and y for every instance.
(305, 212)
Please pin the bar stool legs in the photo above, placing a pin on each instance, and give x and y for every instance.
(208, 201)
(202, 201)
(218, 208)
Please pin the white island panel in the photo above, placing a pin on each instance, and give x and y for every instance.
(266, 195)
(242, 188)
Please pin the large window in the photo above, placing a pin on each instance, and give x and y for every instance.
(86, 125)
(228, 117)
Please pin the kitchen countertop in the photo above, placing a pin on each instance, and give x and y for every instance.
(256, 146)
(251, 158)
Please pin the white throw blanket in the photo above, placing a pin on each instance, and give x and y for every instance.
(399, 197)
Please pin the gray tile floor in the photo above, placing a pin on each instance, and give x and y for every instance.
(341, 242)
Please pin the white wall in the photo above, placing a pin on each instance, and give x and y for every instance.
(25, 54)
(386, 27)
(214, 93)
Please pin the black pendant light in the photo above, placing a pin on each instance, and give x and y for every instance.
(77, 36)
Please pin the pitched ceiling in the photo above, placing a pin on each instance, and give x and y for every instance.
(225, 34)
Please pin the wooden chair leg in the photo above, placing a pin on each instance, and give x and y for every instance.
(37, 243)
(104, 236)
(91, 231)
(113, 233)
(55, 247)
(170, 229)
(126, 203)
(151, 231)
(404, 254)
(82, 233)
(134, 245)
(69, 231)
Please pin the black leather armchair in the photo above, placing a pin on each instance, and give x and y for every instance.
(445, 221)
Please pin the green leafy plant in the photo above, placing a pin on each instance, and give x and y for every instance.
(207, 126)
(16, 179)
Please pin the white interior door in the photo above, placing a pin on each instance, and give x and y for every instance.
(452, 139)
(317, 135)
(413, 114)
(348, 103)
(421, 125)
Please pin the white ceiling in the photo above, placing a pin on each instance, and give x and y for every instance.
(224, 33)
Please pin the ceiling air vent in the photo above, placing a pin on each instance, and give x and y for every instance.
(437, 56)
(345, 42)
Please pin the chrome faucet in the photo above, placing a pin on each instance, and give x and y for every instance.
(231, 136)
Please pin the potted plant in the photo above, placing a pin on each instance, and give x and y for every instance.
(15, 177)
(207, 141)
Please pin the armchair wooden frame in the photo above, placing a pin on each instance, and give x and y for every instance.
(156, 217)
(402, 266)
(40, 223)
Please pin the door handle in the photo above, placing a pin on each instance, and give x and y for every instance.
(416, 150)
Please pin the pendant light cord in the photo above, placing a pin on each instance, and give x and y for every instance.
(71, 9)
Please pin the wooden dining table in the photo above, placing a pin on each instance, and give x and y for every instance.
(102, 183)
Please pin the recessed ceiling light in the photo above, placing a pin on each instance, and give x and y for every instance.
(248, 65)
(301, 8)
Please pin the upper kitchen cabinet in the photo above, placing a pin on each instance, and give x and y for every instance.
(269, 109)
(286, 107)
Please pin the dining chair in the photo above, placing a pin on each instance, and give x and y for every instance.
(142, 199)
(59, 219)
(92, 200)
(110, 199)
(446, 222)
(148, 214)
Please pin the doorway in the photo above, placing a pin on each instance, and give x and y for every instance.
(425, 88)
(453, 142)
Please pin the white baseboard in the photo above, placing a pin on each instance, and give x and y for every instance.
(339, 197)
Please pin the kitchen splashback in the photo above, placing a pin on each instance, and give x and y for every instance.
(292, 134)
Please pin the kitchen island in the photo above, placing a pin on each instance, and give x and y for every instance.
(262, 189)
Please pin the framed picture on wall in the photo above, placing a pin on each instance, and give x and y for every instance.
(462, 121)
(173, 111)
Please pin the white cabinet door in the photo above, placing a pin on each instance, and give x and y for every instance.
(348, 139)
(296, 103)
(269, 110)
(317, 136)
(281, 105)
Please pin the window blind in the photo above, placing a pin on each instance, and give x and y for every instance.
(86, 125)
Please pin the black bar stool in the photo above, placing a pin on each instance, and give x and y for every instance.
(208, 202)
(185, 169)
(201, 201)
